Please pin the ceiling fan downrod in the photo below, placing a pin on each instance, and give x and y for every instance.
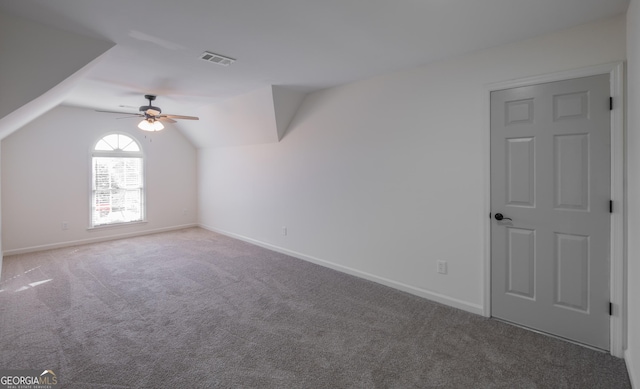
(145, 109)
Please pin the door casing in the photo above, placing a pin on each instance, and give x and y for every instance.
(617, 238)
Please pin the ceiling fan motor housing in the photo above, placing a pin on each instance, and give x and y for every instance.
(145, 108)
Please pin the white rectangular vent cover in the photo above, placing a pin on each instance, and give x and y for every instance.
(216, 58)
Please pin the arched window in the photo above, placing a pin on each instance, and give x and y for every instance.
(117, 194)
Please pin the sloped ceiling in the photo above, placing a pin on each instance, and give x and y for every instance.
(295, 45)
(39, 66)
(260, 116)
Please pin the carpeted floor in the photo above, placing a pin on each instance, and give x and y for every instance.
(194, 309)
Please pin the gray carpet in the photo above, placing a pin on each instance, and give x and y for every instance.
(194, 309)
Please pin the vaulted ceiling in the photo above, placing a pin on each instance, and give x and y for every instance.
(296, 45)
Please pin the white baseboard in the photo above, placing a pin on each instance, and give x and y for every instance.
(630, 365)
(429, 295)
(95, 240)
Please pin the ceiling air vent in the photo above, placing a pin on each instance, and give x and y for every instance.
(216, 58)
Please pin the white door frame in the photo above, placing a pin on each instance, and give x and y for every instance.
(616, 255)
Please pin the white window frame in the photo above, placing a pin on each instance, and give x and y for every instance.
(117, 154)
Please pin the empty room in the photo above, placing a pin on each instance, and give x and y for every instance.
(278, 194)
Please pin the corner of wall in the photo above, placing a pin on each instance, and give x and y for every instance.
(628, 360)
(285, 106)
(633, 190)
(1, 253)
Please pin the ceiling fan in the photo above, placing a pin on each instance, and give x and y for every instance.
(152, 116)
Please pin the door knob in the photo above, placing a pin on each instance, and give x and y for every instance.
(500, 216)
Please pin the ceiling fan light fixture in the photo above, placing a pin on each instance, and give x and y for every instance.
(150, 125)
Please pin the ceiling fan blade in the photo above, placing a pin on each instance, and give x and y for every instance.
(130, 116)
(180, 117)
(152, 112)
(118, 112)
(166, 119)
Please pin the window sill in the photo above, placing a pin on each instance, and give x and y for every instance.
(115, 225)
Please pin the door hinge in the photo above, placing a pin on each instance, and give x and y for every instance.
(489, 215)
(610, 206)
(610, 103)
(610, 308)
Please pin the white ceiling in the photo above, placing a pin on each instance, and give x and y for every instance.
(302, 44)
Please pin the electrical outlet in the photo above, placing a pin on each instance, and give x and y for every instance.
(64, 225)
(442, 267)
(284, 231)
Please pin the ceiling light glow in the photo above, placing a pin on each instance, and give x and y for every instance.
(150, 125)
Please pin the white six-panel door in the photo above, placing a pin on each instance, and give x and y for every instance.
(550, 174)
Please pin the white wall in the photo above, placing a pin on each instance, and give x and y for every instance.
(46, 179)
(384, 177)
(632, 355)
(1, 255)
